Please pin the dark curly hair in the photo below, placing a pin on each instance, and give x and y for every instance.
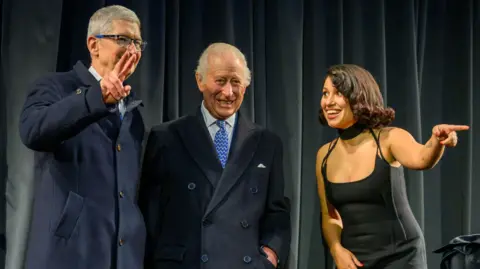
(362, 93)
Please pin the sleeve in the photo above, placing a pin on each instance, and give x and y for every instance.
(276, 226)
(47, 119)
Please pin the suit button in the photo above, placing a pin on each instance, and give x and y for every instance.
(191, 186)
(254, 190)
(204, 258)
(244, 224)
(206, 222)
(247, 259)
(119, 148)
(121, 242)
(121, 194)
(79, 91)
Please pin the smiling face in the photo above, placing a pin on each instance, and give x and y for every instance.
(223, 86)
(335, 107)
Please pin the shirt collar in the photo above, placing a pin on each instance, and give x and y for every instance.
(210, 120)
(94, 73)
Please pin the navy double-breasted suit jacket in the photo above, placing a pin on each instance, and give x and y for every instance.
(87, 163)
(199, 215)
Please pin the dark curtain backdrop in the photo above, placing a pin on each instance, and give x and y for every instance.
(424, 54)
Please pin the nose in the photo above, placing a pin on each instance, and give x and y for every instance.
(228, 90)
(330, 99)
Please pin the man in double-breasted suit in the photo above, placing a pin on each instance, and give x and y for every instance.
(86, 130)
(212, 187)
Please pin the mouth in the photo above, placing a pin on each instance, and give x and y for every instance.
(224, 103)
(332, 113)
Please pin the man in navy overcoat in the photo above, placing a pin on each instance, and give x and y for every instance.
(86, 130)
(212, 190)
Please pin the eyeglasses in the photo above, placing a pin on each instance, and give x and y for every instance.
(125, 41)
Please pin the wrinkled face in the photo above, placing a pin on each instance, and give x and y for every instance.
(223, 87)
(335, 107)
(107, 51)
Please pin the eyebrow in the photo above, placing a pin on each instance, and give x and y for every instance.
(132, 36)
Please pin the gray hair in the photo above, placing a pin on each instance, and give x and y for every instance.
(101, 20)
(217, 49)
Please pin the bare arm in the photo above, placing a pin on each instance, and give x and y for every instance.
(331, 221)
(414, 155)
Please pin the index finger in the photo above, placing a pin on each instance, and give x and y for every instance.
(127, 67)
(119, 66)
(457, 127)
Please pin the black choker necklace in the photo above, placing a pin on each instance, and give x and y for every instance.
(351, 132)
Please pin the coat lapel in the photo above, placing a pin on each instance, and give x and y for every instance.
(197, 140)
(245, 141)
(110, 125)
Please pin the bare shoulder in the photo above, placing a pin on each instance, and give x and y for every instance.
(392, 134)
(322, 151)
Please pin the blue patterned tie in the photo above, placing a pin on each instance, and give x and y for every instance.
(221, 142)
(121, 109)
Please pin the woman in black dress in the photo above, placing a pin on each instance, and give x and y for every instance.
(366, 219)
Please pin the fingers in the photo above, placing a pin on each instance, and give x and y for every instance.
(117, 85)
(356, 261)
(107, 89)
(120, 64)
(127, 66)
(457, 127)
(112, 86)
(451, 140)
(127, 89)
(446, 128)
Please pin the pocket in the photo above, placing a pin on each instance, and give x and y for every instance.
(70, 215)
(171, 253)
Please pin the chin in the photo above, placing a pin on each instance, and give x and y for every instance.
(334, 125)
(225, 114)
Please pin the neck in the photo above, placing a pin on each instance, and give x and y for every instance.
(101, 70)
(351, 132)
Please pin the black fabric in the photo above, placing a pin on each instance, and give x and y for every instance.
(462, 252)
(379, 227)
(423, 53)
(351, 132)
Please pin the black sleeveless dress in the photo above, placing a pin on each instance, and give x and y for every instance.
(379, 227)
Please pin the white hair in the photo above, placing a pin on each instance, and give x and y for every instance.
(101, 20)
(218, 49)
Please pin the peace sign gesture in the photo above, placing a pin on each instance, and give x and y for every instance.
(112, 83)
(447, 134)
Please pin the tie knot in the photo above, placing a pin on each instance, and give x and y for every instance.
(221, 124)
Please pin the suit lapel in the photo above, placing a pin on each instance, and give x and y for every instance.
(245, 141)
(197, 140)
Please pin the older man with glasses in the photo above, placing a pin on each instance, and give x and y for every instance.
(86, 131)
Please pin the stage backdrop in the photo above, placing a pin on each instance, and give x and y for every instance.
(424, 54)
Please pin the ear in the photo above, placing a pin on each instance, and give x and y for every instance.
(200, 83)
(92, 45)
(243, 90)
